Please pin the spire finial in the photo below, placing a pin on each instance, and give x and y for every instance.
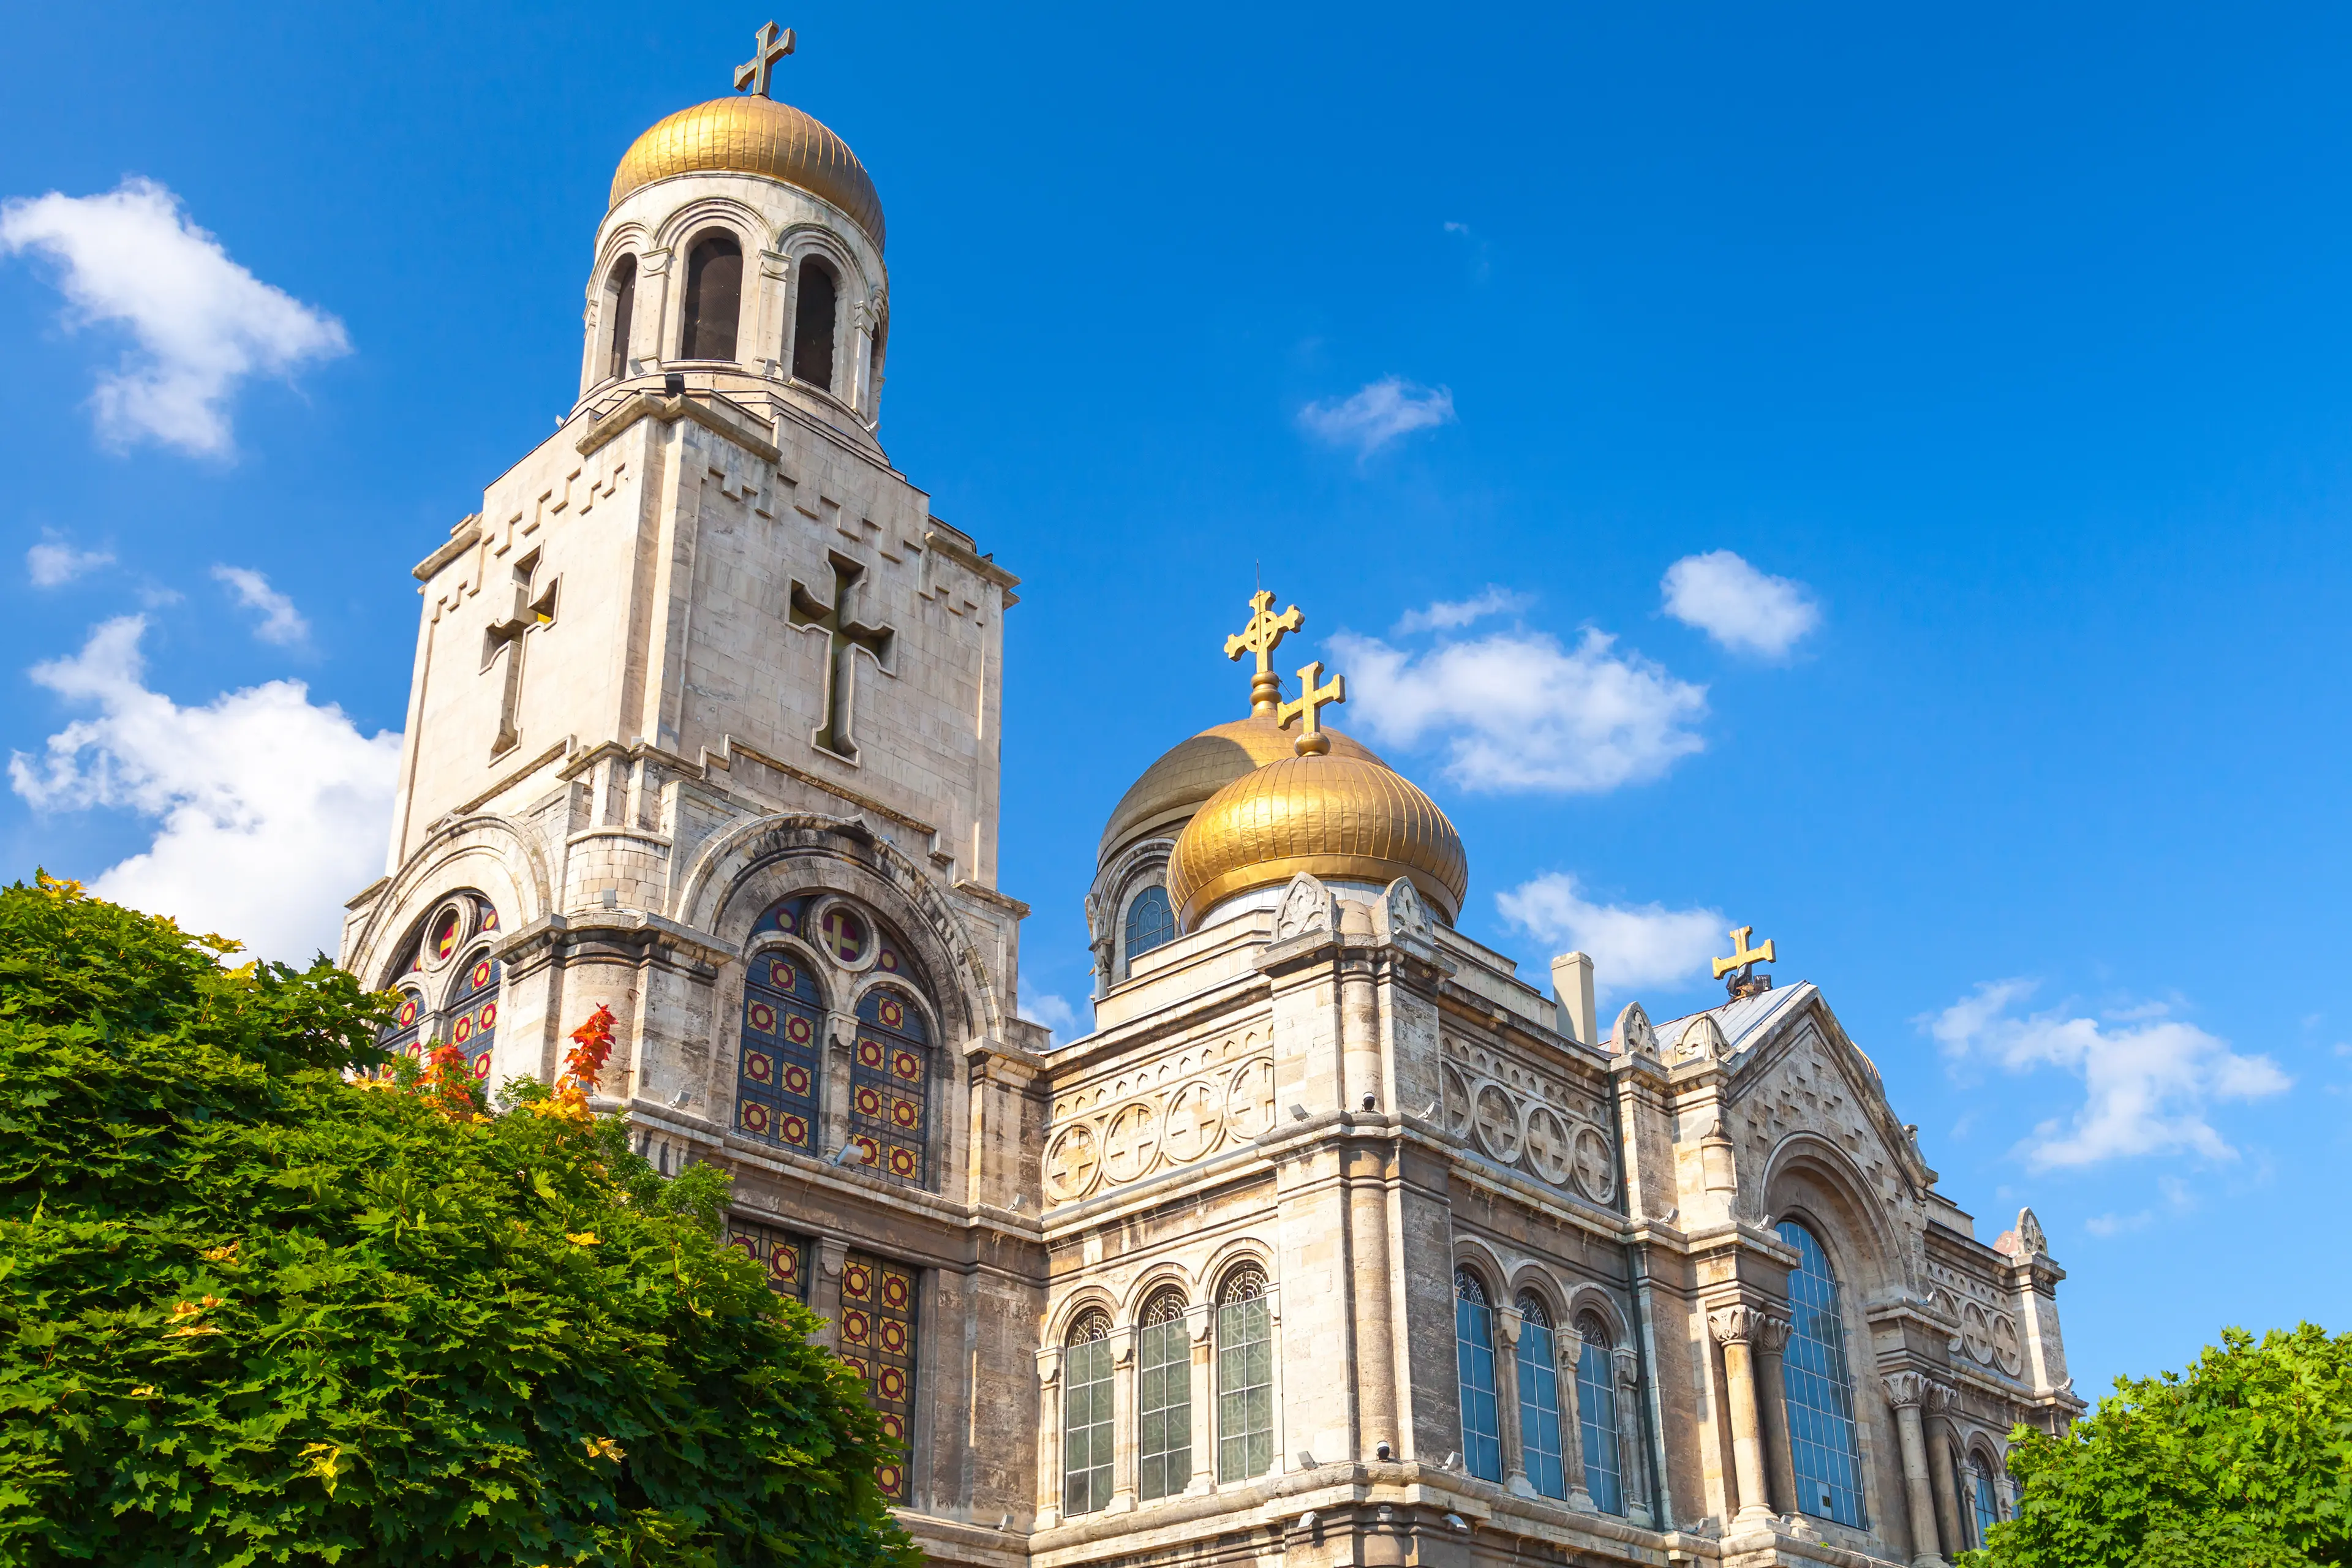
(1261, 635)
(1744, 959)
(1314, 696)
(753, 73)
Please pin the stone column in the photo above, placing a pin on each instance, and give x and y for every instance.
(1633, 1453)
(824, 1291)
(1906, 1391)
(1735, 1329)
(1049, 1438)
(1949, 1521)
(1122, 1416)
(1567, 1344)
(1780, 1463)
(1507, 1323)
(1202, 1322)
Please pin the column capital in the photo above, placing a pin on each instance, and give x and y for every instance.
(1744, 1324)
(1908, 1390)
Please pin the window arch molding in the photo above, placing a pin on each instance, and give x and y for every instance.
(486, 855)
(1124, 933)
(1159, 1280)
(677, 235)
(1070, 1312)
(1473, 1253)
(1811, 1180)
(1244, 1252)
(630, 242)
(798, 952)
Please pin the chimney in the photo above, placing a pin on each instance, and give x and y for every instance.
(1571, 989)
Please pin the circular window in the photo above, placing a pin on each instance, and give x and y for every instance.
(845, 935)
(446, 932)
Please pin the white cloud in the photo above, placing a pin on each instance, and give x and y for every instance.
(202, 322)
(281, 623)
(1519, 711)
(1378, 414)
(273, 809)
(1738, 606)
(53, 563)
(1450, 614)
(1058, 1017)
(1632, 944)
(2147, 1078)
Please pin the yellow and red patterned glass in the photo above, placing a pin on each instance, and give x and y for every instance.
(782, 1257)
(473, 1015)
(878, 1341)
(777, 1068)
(844, 934)
(889, 1088)
(447, 932)
(401, 1035)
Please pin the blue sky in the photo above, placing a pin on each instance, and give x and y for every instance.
(1992, 377)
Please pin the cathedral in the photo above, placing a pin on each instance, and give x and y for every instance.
(1339, 1241)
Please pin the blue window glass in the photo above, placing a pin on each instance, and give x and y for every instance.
(1540, 1400)
(1817, 1390)
(472, 1016)
(1984, 1500)
(1149, 923)
(1474, 1351)
(1596, 1414)
(776, 1071)
(890, 1088)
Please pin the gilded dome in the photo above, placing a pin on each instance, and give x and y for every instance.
(1344, 816)
(1172, 788)
(752, 134)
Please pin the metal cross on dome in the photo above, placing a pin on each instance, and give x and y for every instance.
(774, 46)
(1261, 635)
(1315, 694)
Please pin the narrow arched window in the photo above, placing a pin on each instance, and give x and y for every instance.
(401, 1038)
(1596, 1413)
(714, 298)
(620, 312)
(890, 1088)
(1149, 923)
(812, 324)
(473, 1012)
(878, 1319)
(1163, 1400)
(1817, 1390)
(777, 1069)
(1087, 1415)
(1244, 1377)
(1540, 1400)
(1474, 1357)
(1984, 1497)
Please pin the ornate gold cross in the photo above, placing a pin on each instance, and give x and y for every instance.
(1312, 699)
(753, 72)
(1261, 636)
(1744, 959)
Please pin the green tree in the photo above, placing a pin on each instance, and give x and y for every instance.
(265, 1304)
(2245, 1462)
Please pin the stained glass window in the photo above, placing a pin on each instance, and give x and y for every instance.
(889, 1086)
(1473, 1356)
(1244, 1377)
(1817, 1389)
(1149, 923)
(404, 1036)
(1163, 1400)
(1984, 1498)
(1596, 1414)
(471, 1020)
(1540, 1400)
(783, 1258)
(777, 1069)
(1087, 1415)
(878, 1341)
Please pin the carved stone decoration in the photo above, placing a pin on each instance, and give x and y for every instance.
(1072, 1163)
(1130, 1141)
(1249, 1099)
(1703, 1039)
(1634, 1035)
(1494, 1117)
(2029, 1236)
(1736, 1325)
(1596, 1165)
(1306, 909)
(1194, 1117)
(1456, 1109)
(1976, 1333)
(1400, 915)
(1906, 1389)
(1548, 1151)
(2007, 1352)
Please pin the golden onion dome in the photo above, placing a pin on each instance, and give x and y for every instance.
(1172, 788)
(1338, 817)
(753, 134)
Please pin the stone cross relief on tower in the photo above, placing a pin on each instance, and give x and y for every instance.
(530, 613)
(844, 637)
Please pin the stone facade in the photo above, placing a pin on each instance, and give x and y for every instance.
(1335, 1242)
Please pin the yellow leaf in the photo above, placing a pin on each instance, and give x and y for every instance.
(604, 1449)
(326, 1463)
(220, 1254)
(145, 1391)
(582, 1238)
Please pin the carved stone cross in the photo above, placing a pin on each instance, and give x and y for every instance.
(844, 637)
(529, 614)
(753, 73)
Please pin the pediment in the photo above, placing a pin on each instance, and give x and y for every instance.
(1796, 1065)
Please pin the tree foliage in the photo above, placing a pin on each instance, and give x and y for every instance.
(260, 1308)
(2244, 1462)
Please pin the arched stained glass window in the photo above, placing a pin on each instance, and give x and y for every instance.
(1244, 1377)
(1087, 1415)
(1539, 1399)
(1149, 923)
(1163, 1399)
(889, 1086)
(714, 297)
(779, 1065)
(620, 315)
(1473, 1356)
(407, 1026)
(472, 1014)
(812, 324)
(1984, 1497)
(782, 1257)
(878, 1319)
(1817, 1390)
(1596, 1414)
(443, 957)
